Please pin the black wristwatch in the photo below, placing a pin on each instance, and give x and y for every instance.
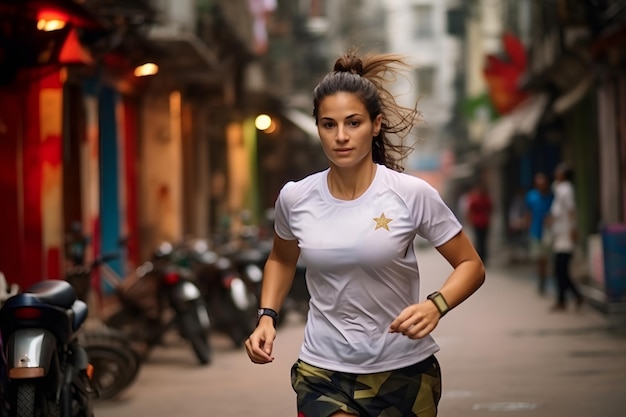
(440, 302)
(266, 312)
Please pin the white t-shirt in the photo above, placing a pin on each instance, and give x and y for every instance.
(361, 266)
(562, 211)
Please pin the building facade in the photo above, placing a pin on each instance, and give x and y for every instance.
(97, 157)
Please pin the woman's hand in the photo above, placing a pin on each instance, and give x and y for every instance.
(417, 320)
(278, 274)
(260, 343)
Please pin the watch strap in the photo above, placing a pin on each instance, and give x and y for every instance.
(266, 312)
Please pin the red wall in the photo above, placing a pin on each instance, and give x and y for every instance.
(20, 185)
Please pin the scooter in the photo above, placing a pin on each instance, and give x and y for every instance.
(162, 297)
(228, 295)
(48, 369)
(115, 363)
(250, 261)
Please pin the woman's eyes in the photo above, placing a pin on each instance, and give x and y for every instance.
(351, 123)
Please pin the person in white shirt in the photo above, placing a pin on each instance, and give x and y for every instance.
(563, 232)
(367, 347)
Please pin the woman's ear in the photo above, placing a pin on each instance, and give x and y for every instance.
(377, 123)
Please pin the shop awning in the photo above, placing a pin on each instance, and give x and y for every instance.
(523, 121)
(568, 99)
(499, 135)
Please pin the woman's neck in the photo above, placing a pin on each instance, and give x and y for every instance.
(350, 184)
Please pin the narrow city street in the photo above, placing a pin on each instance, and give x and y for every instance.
(502, 351)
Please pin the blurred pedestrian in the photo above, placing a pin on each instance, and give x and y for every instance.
(538, 202)
(518, 226)
(367, 347)
(479, 210)
(564, 235)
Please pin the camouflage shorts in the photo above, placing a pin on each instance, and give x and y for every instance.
(413, 391)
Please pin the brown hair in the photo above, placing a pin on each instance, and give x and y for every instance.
(365, 76)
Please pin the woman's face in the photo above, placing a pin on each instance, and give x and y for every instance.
(346, 130)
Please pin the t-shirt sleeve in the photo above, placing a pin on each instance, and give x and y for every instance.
(435, 220)
(281, 214)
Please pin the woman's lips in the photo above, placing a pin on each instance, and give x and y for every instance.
(343, 151)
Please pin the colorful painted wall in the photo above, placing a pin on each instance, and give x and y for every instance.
(42, 122)
(31, 179)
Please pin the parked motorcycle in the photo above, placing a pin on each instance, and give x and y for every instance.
(115, 363)
(249, 253)
(161, 297)
(230, 297)
(48, 369)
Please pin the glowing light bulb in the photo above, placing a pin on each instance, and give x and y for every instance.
(263, 122)
(146, 69)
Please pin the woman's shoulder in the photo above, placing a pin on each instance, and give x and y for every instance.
(408, 186)
(293, 189)
(403, 179)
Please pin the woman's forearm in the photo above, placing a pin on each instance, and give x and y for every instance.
(277, 280)
(468, 273)
(466, 278)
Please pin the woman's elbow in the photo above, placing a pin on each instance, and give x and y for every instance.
(480, 274)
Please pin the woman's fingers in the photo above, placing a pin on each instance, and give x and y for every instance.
(259, 346)
(415, 322)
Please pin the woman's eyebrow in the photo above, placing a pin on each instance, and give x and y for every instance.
(345, 118)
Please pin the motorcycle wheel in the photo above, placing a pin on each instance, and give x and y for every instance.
(25, 401)
(192, 330)
(115, 364)
(81, 396)
(109, 375)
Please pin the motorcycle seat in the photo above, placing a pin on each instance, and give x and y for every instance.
(55, 292)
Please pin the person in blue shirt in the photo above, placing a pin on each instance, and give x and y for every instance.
(538, 202)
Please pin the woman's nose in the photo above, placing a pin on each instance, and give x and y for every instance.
(342, 134)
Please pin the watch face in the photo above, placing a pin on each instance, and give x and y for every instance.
(440, 302)
(441, 305)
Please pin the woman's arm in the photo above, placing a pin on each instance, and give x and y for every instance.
(468, 273)
(278, 276)
(278, 273)
(418, 320)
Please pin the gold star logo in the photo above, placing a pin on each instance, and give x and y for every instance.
(382, 222)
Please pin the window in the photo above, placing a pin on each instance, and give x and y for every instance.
(425, 77)
(423, 18)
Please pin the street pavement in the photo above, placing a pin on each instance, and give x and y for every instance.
(502, 352)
